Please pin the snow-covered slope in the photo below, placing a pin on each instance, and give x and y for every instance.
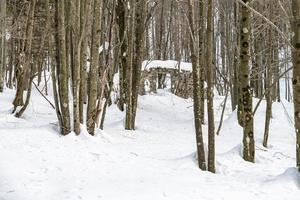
(157, 161)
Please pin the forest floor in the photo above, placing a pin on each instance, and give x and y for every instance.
(157, 161)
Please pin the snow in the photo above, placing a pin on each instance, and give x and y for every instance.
(157, 161)
(106, 47)
(168, 64)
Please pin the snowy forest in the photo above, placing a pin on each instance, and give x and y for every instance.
(149, 99)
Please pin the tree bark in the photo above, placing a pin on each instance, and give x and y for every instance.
(62, 69)
(296, 73)
(246, 95)
(196, 89)
(210, 86)
(93, 73)
(269, 78)
(2, 42)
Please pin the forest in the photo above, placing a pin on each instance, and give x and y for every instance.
(149, 99)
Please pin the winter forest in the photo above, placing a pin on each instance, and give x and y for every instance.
(150, 99)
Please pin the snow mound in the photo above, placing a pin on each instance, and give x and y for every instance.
(290, 178)
(167, 64)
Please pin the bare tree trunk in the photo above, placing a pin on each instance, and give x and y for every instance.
(210, 85)
(244, 69)
(129, 86)
(138, 54)
(138, 42)
(201, 56)
(269, 77)
(2, 42)
(25, 58)
(86, 10)
(121, 21)
(196, 89)
(62, 69)
(78, 23)
(93, 73)
(296, 73)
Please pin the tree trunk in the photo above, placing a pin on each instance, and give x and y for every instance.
(121, 21)
(296, 73)
(269, 78)
(62, 69)
(93, 73)
(210, 86)
(25, 57)
(139, 47)
(86, 9)
(201, 57)
(196, 90)
(2, 42)
(246, 96)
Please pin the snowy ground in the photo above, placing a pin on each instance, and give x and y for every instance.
(157, 161)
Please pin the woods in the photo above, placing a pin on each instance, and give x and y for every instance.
(89, 55)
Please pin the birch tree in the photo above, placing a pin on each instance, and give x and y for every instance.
(245, 90)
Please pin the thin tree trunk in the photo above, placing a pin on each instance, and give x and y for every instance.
(269, 77)
(296, 73)
(246, 96)
(121, 21)
(210, 103)
(25, 58)
(201, 57)
(2, 42)
(196, 90)
(129, 104)
(62, 69)
(139, 48)
(93, 73)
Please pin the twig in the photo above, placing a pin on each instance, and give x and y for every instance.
(43, 95)
(268, 89)
(268, 21)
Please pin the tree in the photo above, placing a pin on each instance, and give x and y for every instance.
(121, 21)
(62, 68)
(197, 90)
(296, 73)
(245, 90)
(93, 73)
(24, 68)
(269, 79)
(201, 55)
(138, 52)
(210, 86)
(2, 42)
(85, 19)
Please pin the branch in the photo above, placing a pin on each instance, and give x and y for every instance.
(268, 21)
(43, 95)
(268, 89)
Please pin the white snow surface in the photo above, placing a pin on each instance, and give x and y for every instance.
(106, 47)
(155, 162)
(168, 64)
